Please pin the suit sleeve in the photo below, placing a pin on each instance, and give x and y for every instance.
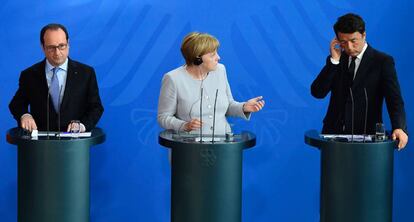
(94, 108)
(392, 93)
(322, 85)
(20, 103)
(167, 105)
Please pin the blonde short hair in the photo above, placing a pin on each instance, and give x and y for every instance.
(197, 44)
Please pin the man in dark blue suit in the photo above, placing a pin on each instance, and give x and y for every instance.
(57, 83)
(361, 77)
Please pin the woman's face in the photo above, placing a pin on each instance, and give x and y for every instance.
(210, 61)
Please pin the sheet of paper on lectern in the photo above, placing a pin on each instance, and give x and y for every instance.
(36, 133)
(356, 138)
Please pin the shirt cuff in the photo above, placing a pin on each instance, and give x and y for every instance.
(26, 114)
(82, 128)
(335, 62)
(246, 115)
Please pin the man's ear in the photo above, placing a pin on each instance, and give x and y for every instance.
(42, 47)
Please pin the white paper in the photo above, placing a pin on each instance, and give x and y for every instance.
(356, 138)
(62, 134)
(208, 139)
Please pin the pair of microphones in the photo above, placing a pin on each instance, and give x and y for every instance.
(352, 114)
(201, 115)
(48, 114)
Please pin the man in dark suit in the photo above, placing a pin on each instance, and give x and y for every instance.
(359, 79)
(57, 83)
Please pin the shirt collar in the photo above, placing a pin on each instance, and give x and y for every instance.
(64, 65)
(359, 56)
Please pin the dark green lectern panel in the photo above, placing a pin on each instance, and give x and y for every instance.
(356, 179)
(53, 177)
(206, 177)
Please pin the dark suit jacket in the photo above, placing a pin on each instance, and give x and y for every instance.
(376, 73)
(80, 101)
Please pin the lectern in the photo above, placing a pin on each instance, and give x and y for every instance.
(356, 179)
(53, 176)
(206, 176)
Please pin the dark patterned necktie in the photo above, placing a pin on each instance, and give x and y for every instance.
(351, 68)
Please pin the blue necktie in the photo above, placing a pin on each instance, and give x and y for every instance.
(54, 89)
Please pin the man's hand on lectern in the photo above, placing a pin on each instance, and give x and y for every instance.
(399, 134)
(28, 123)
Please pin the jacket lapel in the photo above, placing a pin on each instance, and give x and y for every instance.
(41, 77)
(70, 81)
(363, 67)
(346, 77)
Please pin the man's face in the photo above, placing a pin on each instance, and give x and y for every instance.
(352, 43)
(55, 47)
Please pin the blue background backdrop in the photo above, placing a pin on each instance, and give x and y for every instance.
(270, 48)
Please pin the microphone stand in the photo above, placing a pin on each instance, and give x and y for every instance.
(58, 134)
(201, 116)
(366, 112)
(214, 116)
(352, 116)
(47, 113)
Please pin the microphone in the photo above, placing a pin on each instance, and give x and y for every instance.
(58, 123)
(201, 115)
(47, 113)
(366, 112)
(214, 116)
(352, 115)
(201, 107)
